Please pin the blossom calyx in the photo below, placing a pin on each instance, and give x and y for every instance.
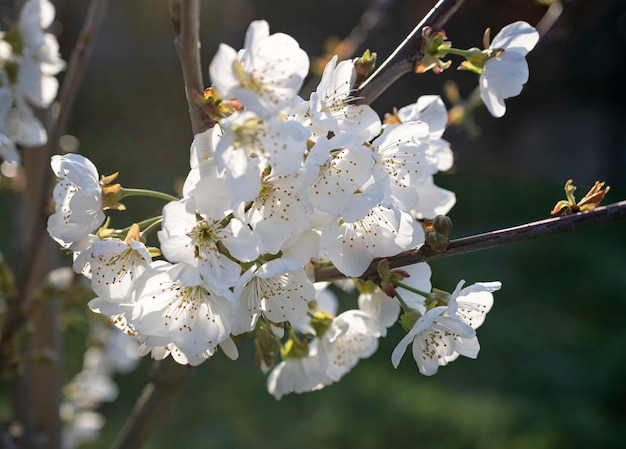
(321, 322)
(437, 298)
(475, 59)
(133, 233)
(111, 193)
(213, 106)
(267, 346)
(294, 348)
(408, 319)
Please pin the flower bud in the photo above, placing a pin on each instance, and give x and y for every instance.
(589, 202)
(436, 241)
(437, 232)
(442, 224)
(364, 66)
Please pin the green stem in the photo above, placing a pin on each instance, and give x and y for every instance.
(455, 51)
(148, 223)
(152, 226)
(414, 290)
(403, 304)
(144, 192)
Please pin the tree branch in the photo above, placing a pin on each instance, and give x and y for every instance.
(373, 17)
(188, 49)
(543, 228)
(168, 380)
(403, 59)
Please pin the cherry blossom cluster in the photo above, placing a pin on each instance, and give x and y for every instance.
(279, 186)
(29, 61)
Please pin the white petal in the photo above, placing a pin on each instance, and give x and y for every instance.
(221, 70)
(519, 37)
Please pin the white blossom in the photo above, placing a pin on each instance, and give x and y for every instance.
(339, 177)
(504, 75)
(174, 306)
(349, 337)
(333, 107)
(383, 232)
(430, 200)
(265, 75)
(194, 239)
(78, 199)
(35, 59)
(278, 212)
(403, 162)
(114, 266)
(298, 375)
(434, 337)
(279, 290)
(443, 333)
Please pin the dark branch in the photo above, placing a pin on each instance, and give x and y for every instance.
(168, 380)
(543, 228)
(403, 59)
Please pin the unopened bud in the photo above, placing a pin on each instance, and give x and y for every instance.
(442, 224)
(436, 241)
(364, 66)
(437, 232)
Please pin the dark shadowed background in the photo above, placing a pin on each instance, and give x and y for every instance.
(552, 369)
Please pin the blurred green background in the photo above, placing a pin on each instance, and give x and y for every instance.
(552, 369)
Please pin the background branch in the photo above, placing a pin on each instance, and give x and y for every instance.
(373, 17)
(167, 381)
(403, 59)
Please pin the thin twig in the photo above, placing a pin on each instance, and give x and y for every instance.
(167, 382)
(372, 18)
(403, 59)
(543, 228)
